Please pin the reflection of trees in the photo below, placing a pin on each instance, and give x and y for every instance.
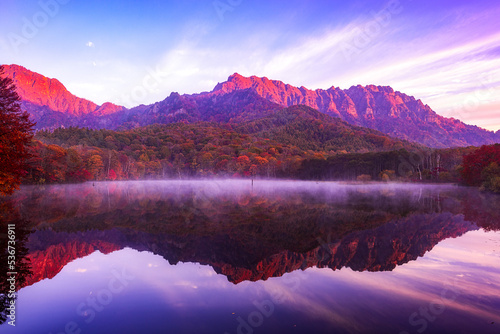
(174, 204)
(482, 209)
(239, 229)
(251, 254)
(8, 215)
(177, 203)
(282, 220)
(379, 249)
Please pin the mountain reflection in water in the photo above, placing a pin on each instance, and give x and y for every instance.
(274, 250)
(248, 232)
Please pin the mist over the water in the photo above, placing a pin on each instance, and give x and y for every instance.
(217, 200)
(332, 190)
(260, 231)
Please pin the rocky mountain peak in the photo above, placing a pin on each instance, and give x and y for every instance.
(39, 90)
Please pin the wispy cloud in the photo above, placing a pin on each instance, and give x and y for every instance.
(447, 57)
(442, 75)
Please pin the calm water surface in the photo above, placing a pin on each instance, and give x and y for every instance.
(272, 257)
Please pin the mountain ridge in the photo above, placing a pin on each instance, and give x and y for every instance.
(375, 107)
(43, 91)
(242, 99)
(382, 248)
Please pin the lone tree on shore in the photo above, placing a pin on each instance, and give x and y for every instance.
(16, 132)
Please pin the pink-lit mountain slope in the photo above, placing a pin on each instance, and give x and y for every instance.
(50, 103)
(376, 107)
(241, 99)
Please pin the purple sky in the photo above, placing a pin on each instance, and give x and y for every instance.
(443, 52)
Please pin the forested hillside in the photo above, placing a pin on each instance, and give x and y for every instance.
(273, 146)
(160, 151)
(310, 129)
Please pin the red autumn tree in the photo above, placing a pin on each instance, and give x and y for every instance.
(475, 163)
(112, 175)
(16, 132)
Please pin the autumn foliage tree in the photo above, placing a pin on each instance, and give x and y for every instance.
(481, 167)
(16, 132)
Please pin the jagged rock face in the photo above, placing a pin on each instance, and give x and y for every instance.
(380, 249)
(376, 107)
(49, 262)
(233, 107)
(242, 99)
(42, 92)
(361, 104)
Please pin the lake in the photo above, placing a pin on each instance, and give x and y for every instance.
(230, 256)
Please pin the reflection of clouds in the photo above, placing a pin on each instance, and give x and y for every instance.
(296, 294)
(463, 267)
(88, 265)
(337, 298)
(186, 284)
(343, 299)
(177, 284)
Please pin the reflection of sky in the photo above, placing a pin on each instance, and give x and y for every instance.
(191, 298)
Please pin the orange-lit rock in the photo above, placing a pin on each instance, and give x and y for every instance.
(42, 91)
